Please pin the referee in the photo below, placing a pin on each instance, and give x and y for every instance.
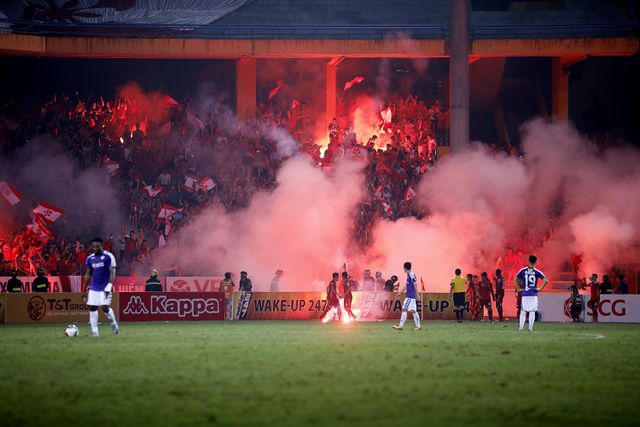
(458, 292)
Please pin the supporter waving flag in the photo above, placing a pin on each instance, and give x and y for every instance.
(39, 228)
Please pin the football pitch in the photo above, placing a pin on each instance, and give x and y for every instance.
(311, 374)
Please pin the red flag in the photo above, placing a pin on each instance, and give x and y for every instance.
(409, 194)
(39, 228)
(167, 211)
(275, 90)
(295, 104)
(169, 101)
(350, 83)
(190, 182)
(207, 183)
(153, 190)
(48, 212)
(12, 195)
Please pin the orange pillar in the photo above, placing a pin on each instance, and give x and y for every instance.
(246, 88)
(331, 91)
(560, 89)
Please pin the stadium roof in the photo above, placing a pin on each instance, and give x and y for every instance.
(316, 19)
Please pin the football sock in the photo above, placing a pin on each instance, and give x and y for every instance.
(523, 316)
(403, 318)
(112, 316)
(416, 318)
(532, 319)
(93, 319)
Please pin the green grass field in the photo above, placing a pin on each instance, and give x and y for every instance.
(309, 374)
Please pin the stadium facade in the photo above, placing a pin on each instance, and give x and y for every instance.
(478, 36)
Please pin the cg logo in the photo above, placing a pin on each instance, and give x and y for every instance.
(36, 308)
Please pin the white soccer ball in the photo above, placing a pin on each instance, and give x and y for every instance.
(71, 331)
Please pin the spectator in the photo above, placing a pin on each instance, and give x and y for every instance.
(368, 282)
(623, 286)
(606, 287)
(391, 285)
(275, 282)
(153, 284)
(380, 282)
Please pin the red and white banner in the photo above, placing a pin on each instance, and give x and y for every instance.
(153, 190)
(193, 284)
(207, 183)
(10, 194)
(48, 212)
(191, 182)
(167, 211)
(612, 308)
(39, 228)
(150, 306)
(132, 283)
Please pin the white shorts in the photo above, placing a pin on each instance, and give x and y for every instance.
(98, 298)
(530, 303)
(409, 304)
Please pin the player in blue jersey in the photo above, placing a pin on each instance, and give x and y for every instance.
(98, 280)
(410, 299)
(527, 281)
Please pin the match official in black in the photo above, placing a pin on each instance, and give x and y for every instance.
(40, 283)
(153, 284)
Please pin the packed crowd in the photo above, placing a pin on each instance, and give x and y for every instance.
(162, 164)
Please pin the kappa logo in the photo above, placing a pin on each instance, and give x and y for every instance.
(135, 306)
(183, 307)
(36, 308)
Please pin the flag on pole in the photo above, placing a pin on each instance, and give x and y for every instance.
(207, 183)
(39, 228)
(12, 195)
(357, 80)
(275, 90)
(190, 182)
(409, 194)
(167, 211)
(153, 190)
(49, 213)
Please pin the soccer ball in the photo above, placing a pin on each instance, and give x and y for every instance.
(71, 331)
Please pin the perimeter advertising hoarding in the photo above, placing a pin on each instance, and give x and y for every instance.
(612, 308)
(150, 306)
(63, 307)
(310, 305)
